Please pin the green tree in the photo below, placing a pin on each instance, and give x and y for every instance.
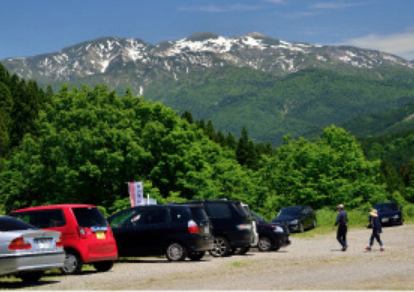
(231, 141)
(188, 117)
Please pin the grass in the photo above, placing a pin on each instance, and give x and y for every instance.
(357, 219)
(239, 264)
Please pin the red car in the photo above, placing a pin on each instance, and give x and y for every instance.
(86, 236)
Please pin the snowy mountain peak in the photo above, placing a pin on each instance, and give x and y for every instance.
(109, 56)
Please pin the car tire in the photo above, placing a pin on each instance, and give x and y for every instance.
(31, 277)
(301, 229)
(241, 250)
(72, 264)
(103, 266)
(196, 256)
(176, 252)
(265, 244)
(221, 247)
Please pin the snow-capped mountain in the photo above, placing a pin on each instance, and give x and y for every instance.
(114, 59)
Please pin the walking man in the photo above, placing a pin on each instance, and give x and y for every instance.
(376, 230)
(342, 223)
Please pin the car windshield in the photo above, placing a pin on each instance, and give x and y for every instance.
(289, 211)
(12, 224)
(89, 217)
(257, 217)
(383, 207)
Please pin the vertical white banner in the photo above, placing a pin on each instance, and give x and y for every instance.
(139, 190)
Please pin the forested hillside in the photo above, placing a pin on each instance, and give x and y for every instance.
(84, 144)
(270, 107)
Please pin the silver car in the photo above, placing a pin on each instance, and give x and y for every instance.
(26, 251)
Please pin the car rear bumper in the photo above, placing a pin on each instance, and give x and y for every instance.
(199, 244)
(241, 239)
(102, 252)
(14, 264)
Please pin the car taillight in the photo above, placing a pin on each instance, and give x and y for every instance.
(193, 227)
(19, 244)
(59, 243)
(244, 227)
(109, 232)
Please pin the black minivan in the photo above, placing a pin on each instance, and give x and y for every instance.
(232, 226)
(177, 231)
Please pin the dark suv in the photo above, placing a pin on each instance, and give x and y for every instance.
(389, 213)
(271, 237)
(297, 218)
(178, 231)
(232, 226)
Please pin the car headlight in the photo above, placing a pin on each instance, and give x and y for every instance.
(278, 229)
(296, 221)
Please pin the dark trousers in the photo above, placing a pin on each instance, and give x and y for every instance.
(341, 235)
(377, 237)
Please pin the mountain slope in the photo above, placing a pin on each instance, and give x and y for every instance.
(271, 107)
(384, 122)
(114, 60)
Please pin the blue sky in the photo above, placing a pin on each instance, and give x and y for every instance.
(31, 27)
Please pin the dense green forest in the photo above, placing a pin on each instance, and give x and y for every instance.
(83, 144)
(270, 107)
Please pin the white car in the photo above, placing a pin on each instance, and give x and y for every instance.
(26, 251)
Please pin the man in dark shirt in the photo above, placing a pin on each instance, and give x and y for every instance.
(342, 223)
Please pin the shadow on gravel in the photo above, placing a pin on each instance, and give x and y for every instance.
(156, 261)
(22, 285)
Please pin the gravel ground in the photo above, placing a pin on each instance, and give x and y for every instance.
(308, 264)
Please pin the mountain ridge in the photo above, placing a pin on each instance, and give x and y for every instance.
(202, 51)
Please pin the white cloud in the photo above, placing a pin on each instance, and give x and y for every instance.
(401, 44)
(215, 8)
(335, 5)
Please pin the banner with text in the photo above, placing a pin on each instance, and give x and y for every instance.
(136, 193)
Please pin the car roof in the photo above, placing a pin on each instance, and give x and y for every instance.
(52, 207)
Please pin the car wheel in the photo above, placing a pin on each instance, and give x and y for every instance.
(221, 247)
(301, 228)
(265, 244)
(241, 250)
(31, 277)
(103, 266)
(196, 256)
(315, 224)
(72, 264)
(176, 252)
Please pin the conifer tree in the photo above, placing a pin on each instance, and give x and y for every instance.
(187, 116)
(231, 141)
(210, 131)
(269, 149)
(243, 147)
(221, 139)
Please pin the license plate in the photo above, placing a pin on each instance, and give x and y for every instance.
(384, 219)
(206, 230)
(100, 235)
(43, 244)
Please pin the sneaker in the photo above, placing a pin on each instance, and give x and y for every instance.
(344, 248)
(382, 249)
(368, 248)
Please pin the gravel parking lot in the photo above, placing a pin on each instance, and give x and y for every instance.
(315, 263)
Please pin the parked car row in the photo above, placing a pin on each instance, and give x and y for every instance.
(77, 234)
(67, 236)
